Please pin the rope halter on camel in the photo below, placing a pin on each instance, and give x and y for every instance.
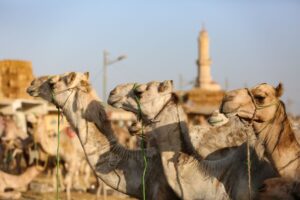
(256, 108)
(140, 115)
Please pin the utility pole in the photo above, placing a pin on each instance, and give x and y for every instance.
(106, 63)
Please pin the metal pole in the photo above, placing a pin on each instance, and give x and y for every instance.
(104, 74)
(106, 63)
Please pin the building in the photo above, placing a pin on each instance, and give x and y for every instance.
(204, 79)
(206, 96)
(15, 77)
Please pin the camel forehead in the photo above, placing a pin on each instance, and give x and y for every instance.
(264, 89)
(39, 80)
(153, 84)
(126, 86)
(78, 74)
(124, 89)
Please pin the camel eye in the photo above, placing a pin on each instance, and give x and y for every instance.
(52, 85)
(137, 93)
(259, 98)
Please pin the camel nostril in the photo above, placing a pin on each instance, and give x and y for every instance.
(28, 90)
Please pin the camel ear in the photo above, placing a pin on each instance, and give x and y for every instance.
(87, 75)
(171, 82)
(54, 79)
(279, 90)
(179, 98)
(71, 77)
(85, 86)
(166, 85)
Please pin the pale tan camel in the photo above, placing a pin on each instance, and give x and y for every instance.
(14, 142)
(165, 124)
(9, 181)
(70, 151)
(262, 106)
(118, 167)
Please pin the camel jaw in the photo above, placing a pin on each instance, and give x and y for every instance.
(117, 102)
(237, 114)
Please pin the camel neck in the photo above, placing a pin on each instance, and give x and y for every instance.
(281, 145)
(108, 159)
(171, 122)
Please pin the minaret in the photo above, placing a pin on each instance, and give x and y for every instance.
(204, 79)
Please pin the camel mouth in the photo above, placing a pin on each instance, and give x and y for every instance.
(242, 115)
(115, 101)
(228, 110)
(32, 92)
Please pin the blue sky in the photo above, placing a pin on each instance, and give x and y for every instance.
(251, 41)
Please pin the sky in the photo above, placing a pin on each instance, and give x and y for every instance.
(250, 41)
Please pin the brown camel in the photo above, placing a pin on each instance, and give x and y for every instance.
(9, 181)
(261, 105)
(222, 175)
(118, 167)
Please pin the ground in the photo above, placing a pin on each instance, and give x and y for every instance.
(75, 196)
(41, 189)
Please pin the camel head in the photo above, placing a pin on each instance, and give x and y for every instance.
(40, 87)
(58, 88)
(259, 103)
(151, 97)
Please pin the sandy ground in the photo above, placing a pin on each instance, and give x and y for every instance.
(75, 196)
(40, 189)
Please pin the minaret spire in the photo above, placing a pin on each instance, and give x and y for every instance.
(204, 79)
(203, 27)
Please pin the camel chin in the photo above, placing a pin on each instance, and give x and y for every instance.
(135, 128)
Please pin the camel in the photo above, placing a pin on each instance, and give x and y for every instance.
(14, 142)
(279, 188)
(9, 181)
(70, 150)
(117, 166)
(222, 175)
(262, 106)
